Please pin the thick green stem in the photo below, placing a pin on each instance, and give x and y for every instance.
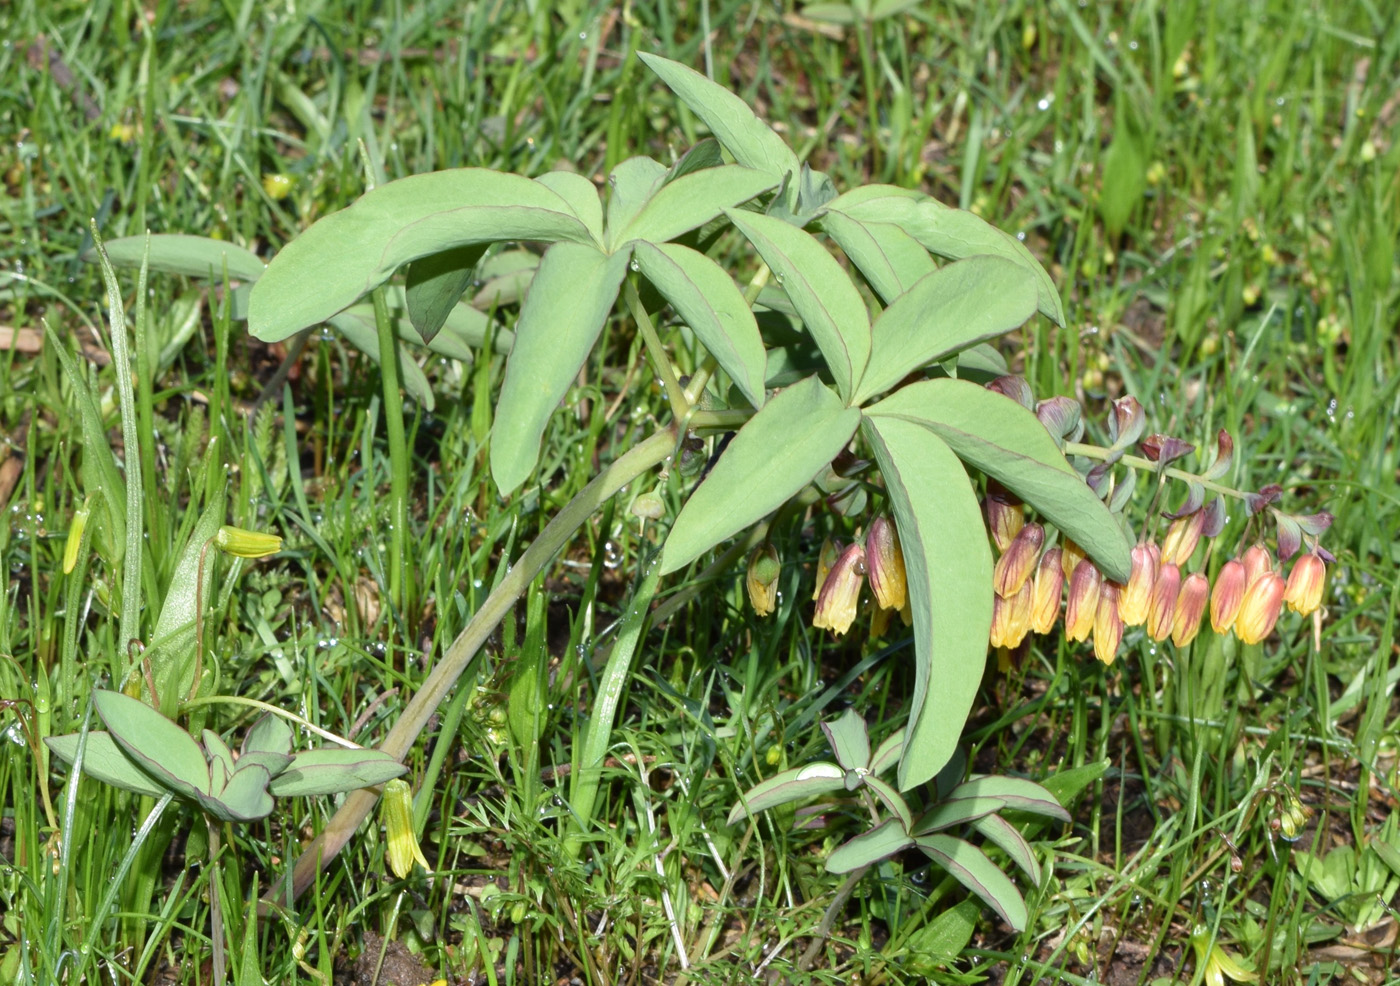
(410, 724)
(398, 452)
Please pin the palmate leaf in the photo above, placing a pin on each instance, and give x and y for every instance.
(949, 310)
(1003, 834)
(949, 567)
(948, 232)
(568, 302)
(243, 799)
(827, 301)
(891, 260)
(690, 201)
(971, 867)
(777, 452)
(1007, 442)
(752, 142)
(1016, 793)
(105, 761)
(330, 771)
(581, 196)
(849, 740)
(631, 185)
(348, 253)
(704, 295)
(158, 746)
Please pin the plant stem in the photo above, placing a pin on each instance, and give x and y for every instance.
(459, 654)
(1147, 465)
(398, 454)
(680, 407)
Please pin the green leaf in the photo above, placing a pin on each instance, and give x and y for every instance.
(821, 291)
(752, 142)
(888, 753)
(581, 196)
(790, 785)
(891, 260)
(270, 734)
(714, 308)
(569, 301)
(1124, 168)
(691, 201)
(777, 452)
(331, 771)
(216, 752)
(1007, 442)
(949, 567)
(849, 740)
(105, 761)
(505, 277)
(956, 811)
(948, 232)
(971, 867)
(883, 840)
(173, 641)
(951, 309)
(158, 746)
(631, 184)
(347, 254)
(890, 798)
(1066, 785)
(273, 763)
(1014, 792)
(356, 324)
(1002, 833)
(190, 256)
(949, 933)
(243, 799)
(99, 465)
(435, 284)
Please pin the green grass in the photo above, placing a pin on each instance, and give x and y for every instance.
(1212, 186)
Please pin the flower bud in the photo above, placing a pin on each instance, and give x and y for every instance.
(1190, 607)
(885, 561)
(1161, 605)
(1260, 608)
(1257, 562)
(1082, 606)
(1182, 538)
(761, 580)
(826, 558)
(75, 538)
(1303, 593)
(840, 592)
(1011, 617)
(1005, 518)
(1227, 595)
(1137, 593)
(246, 544)
(396, 812)
(1070, 558)
(1108, 625)
(1018, 562)
(1048, 587)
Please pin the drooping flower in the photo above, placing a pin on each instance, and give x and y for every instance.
(1190, 608)
(1048, 586)
(1108, 625)
(885, 560)
(826, 558)
(1217, 964)
(1011, 616)
(1183, 535)
(1070, 557)
(396, 812)
(1227, 595)
(1260, 608)
(1137, 592)
(1017, 563)
(1081, 607)
(1257, 562)
(1005, 517)
(761, 580)
(839, 598)
(1303, 594)
(1161, 606)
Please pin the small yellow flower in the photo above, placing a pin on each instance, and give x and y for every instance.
(1227, 595)
(1260, 608)
(1161, 607)
(1081, 608)
(885, 560)
(761, 580)
(396, 812)
(1015, 566)
(247, 544)
(1190, 607)
(1108, 625)
(1133, 601)
(1048, 587)
(1303, 594)
(839, 597)
(1216, 963)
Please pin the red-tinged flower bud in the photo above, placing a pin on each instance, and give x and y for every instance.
(1227, 595)
(1257, 562)
(1161, 607)
(1070, 557)
(1260, 609)
(1011, 617)
(1082, 605)
(1127, 422)
(1108, 625)
(1303, 594)
(1018, 562)
(1005, 518)
(1016, 388)
(1182, 538)
(886, 563)
(840, 593)
(1190, 607)
(761, 580)
(1049, 586)
(826, 558)
(1062, 417)
(1137, 593)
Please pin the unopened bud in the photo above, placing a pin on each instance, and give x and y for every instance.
(1303, 594)
(1190, 608)
(396, 812)
(1108, 625)
(1227, 595)
(1161, 605)
(1011, 617)
(1182, 537)
(1257, 562)
(1082, 604)
(247, 544)
(1260, 609)
(1049, 586)
(885, 560)
(761, 580)
(1137, 593)
(1005, 518)
(1015, 566)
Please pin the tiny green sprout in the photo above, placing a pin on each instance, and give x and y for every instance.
(73, 545)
